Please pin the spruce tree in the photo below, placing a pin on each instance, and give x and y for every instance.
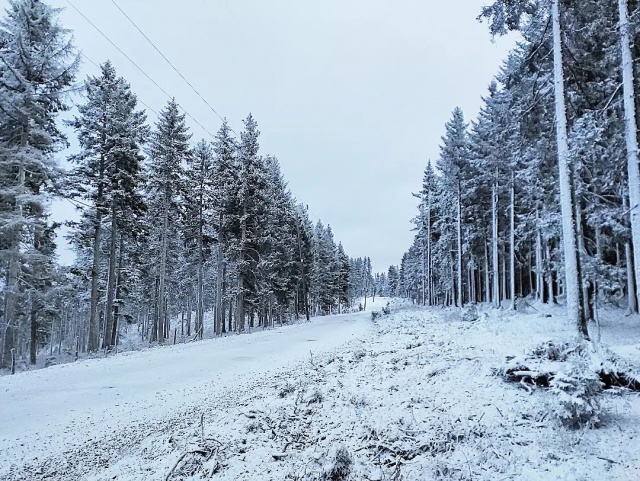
(226, 201)
(107, 178)
(199, 202)
(38, 67)
(454, 165)
(168, 152)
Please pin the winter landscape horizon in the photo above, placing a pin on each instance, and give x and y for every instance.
(361, 240)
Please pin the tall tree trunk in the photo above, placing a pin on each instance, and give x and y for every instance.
(460, 291)
(33, 345)
(107, 342)
(94, 319)
(167, 320)
(487, 281)
(631, 136)
(583, 253)
(11, 295)
(549, 274)
(503, 283)
(366, 284)
(452, 296)
(512, 242)
(429, 263)
(424, 274)
(575, 303)
(596, 282)
(200, 281)
(241, 267)
(182, 320)
(494, 245)
(305, 296)
(162, 294)
(198, 327)
(219, 291)
(539, 269)
(631, 275)
(223, 328)
(116, 307)
(155, 312)
(530, 270)
(631, 282)
(472, 285)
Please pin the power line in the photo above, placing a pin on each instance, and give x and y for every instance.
(169, 62)
(137, 66)
(158, 85)
(98, 66)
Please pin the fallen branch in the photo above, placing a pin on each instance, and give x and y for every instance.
(200, 451)
(182, 456)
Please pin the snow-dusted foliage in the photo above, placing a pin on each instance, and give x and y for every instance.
(577, 390)
(575, 376)
(106, 179)
(548, 204)
(37, 70)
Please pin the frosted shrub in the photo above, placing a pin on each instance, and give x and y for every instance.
(339, 467)
(386, 310)
(576, 390)
(470, 314)
(553, 351)
(315, 398)
(285, 390)
(572, 372)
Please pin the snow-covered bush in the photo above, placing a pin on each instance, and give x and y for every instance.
(285, 390)
(339, 466)
(571, 372)
(576, 391)
(386, 310)
(469, 314)
(316, 397)
(553, 351)
(359, 354)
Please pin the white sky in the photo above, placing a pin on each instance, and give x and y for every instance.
(350, 95)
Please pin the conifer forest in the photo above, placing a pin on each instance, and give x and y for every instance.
(197, 319)
(170, 226)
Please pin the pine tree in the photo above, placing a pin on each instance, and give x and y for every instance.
(427, 218)
(508, 15)
(226, 186)
(343, 277)
(199, 201)
(304, 241)
(38, 66)
(454, 165)
(107, 179)
(168, 152)
(251, 180)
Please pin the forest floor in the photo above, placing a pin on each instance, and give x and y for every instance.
(412, 396)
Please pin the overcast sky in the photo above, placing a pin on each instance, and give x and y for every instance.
(350, 95)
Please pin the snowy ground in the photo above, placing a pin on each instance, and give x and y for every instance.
(411, 396)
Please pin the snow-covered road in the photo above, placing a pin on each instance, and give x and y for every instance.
(47, 412)
(413, 394)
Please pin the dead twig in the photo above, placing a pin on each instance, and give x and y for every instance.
(182, 456)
